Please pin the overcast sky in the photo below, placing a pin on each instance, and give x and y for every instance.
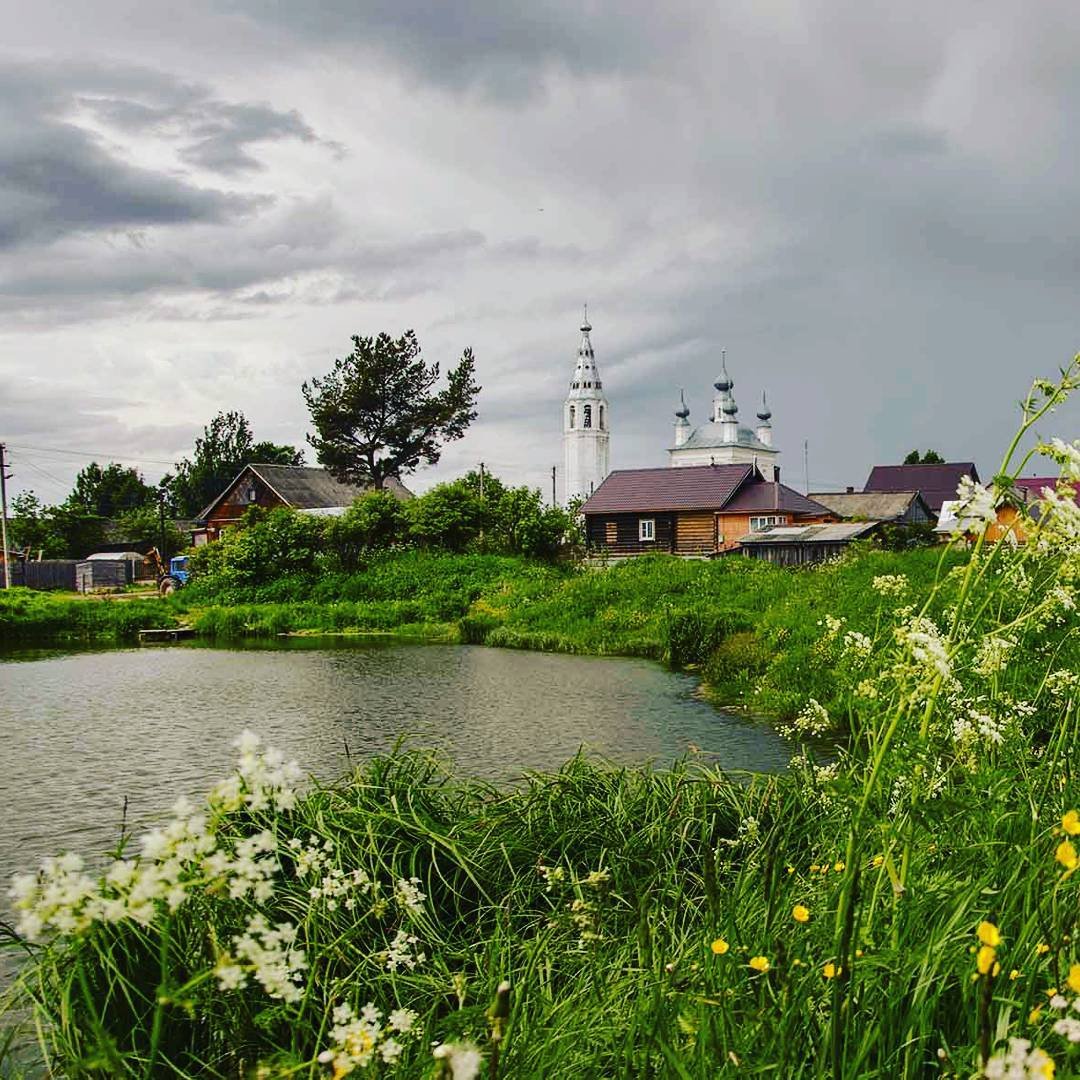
(875, 208)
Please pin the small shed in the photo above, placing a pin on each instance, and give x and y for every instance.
(108, 570)
(802, 545)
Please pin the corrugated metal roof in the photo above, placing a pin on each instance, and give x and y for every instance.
(872, 505)
(818, 534)
(935, 483)
(1032, 486)
(769, 495)
(693, 487)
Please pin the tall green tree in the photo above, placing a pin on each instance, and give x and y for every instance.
(226, 445)
(378, 414)
(109, 492)
(931, 457)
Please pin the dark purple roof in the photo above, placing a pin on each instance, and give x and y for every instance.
(768, 495)
(935, 483)
(688, 487)
(1032, 486)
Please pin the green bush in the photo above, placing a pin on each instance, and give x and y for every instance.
(735, 665)
(692, 636)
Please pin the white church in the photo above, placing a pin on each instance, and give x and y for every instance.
(720, 440)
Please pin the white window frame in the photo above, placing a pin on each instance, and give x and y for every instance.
(761, 523)
(646, 529)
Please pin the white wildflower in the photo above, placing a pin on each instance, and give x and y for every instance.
(1069, 1027)
(408, 895)
(1067, 455)
(974, 508)
(462, 1059)
(890, 584)
(1019, 1062)
(271, 957)
(402, 1020)
(992, 655)
(857, 643)
(402, 952)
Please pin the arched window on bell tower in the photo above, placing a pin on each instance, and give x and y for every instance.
(586, 412)
(571, 415)
(600, 425)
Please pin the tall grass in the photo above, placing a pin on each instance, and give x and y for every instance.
(29, 617)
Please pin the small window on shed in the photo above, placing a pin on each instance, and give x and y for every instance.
(646, 528)
(250, 494)
(586, 411)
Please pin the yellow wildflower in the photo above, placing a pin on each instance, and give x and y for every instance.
(829, 970)
(1051, 992)
(791, 869)
(759, 963)
(800, 913)
(1042, 947)
(877, 861)
(1074, 978)
(814, 868)
(984, 961)
(1035, 1014)
(1066, 855)
(989, 934)
(858, 952)
(719, 946)
(838, 866)
(1070, 822)
(1014, 975)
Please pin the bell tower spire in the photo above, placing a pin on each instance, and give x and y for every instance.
(586, 423)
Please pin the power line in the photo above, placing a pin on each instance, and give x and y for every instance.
(90, 454)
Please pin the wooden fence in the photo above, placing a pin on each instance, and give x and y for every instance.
(48, 574)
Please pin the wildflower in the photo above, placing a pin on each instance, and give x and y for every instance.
(1070, 822)
(813, 720)
(462, 1059)
(858, 644)
(890, 584)
(1074, 978)
(989, 934)
(1069, 1027)
(408, 895)
(271, 957)
(839, 865)
(1065, 454)
(877, 861)
(401, 952)
(719, 946)
(1019, 1061)
(984, 960)
(974, 507)
(759, 963)
(1014, 975)
(1042, 948)
(800, 914)
(830, 970)
(1059, 1001)
(1066, 855)
(597, 879)
(402, 1020)
(357, 1039)
(1035, 1015)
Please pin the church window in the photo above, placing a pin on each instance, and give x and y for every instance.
(600, 424)
(646, 528)
(586, 412)
(571, 415)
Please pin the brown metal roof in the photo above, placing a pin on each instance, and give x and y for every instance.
(770, 495)
(935, 483)
(690, 487)
(870, 505)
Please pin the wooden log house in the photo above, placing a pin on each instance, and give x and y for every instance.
(694, 511)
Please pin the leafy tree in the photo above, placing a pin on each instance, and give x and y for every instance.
(144, 526)
(109, 492)
(375, 520)
(449, 516)
(29, 526)
(931, 457)
(74, 533)
(377, 414)
(224, 448)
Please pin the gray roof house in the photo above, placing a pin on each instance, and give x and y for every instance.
(301, 487)
(901, 507)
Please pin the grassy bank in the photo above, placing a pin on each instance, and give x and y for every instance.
(40, 618)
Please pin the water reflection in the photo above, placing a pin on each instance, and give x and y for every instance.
(82, 731)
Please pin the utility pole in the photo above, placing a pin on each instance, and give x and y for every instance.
(483, 508)
(554, 500)
(3, 515)
(806, 463)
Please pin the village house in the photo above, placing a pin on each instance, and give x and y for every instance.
(692, 510)
(300, 487)
(895, 507)
(935, 483)
(1016, 514)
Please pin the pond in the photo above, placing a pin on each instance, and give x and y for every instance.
(83, 731)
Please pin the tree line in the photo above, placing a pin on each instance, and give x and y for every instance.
(378, 414)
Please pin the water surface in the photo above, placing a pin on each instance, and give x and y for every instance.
(82, 731)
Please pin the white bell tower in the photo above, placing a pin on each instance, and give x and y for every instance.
(586, 425)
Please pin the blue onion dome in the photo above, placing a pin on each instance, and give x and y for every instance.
(724, 383)
(765, 415)
(683, 411)
(729, 407)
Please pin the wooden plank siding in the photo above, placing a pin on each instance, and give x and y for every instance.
(617, 534)
(695, 532)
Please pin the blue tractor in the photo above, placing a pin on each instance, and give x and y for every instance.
(176, 577)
